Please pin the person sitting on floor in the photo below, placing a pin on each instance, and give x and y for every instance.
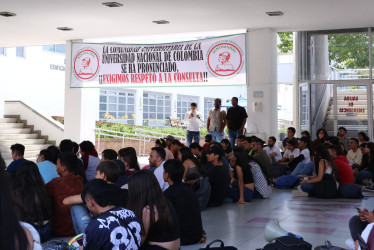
(322, 136)
(361, 225)
(345, 170)
(60, 188)
(327, 177)
(354, 154)
(185, 204)
(291, 152)
(302, 165)
(366, 170)
(247, 145)
(113, 227)
(29, 189)
(108, 155)
(130, 160)
(242, 188)
(161, 143)
(18, 150)
(273, 150)
(68, 147)
(260, 154)
(261, 179)
(160, 229)
(90, 158)
(46, 168)
(157, 160)
(219, 177)
(225, 143)
(193, 168)
(199, 153)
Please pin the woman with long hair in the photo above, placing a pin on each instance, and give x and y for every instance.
(131, 163)
(193, 167)
(366, 171)
(13, 234)
(327, 176)
(322, 136)
(29, 189)
(226, 145)
(261, 179)
(362, 137)
(160, 229)
(243, 187)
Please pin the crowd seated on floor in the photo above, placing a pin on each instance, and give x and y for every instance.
(70, 191)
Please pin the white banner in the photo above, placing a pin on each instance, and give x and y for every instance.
(218, 61)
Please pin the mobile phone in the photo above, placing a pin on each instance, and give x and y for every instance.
(358, 209)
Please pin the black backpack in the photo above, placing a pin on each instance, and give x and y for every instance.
(288, 243)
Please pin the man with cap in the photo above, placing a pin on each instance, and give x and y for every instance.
(168, 141)
(219, 177)
(193, 121)
(208, 142)
(162, 144)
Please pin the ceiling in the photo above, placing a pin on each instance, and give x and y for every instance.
(37, 20)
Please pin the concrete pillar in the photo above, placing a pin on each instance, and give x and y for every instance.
(139, 107)
(81, 107)
(262, 81)
(200, 106)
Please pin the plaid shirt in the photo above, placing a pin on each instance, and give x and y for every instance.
(261, 185)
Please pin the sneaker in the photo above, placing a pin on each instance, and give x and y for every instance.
(350, 244)
(298, 193)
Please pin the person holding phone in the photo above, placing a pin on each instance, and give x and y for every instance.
(361, 225)
(193, 120)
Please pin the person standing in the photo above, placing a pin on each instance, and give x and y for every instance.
(235, 119)
(216, 121)
(193, 121)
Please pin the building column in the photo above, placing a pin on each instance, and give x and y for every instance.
(262, 103)
(174, 101)
(200, 106)
(81, 107)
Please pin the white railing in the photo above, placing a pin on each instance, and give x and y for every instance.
(143, 136)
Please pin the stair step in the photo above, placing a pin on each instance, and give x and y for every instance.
(21, 141)
(28, 154)
(15, 130)
(344, 117)
(33, 147)
(18, 136)
(11, 125)
(6, 120)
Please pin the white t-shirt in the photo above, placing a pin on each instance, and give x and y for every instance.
(272, 150)
(354, 157)
(193, 124)
(159, 173)
(288, 153)
(306, 154)
(365, 234)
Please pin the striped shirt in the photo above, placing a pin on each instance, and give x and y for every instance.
(261, 185)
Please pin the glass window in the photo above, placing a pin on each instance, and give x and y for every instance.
(121, 99)
(184, 103)
(2, 51)
(208, 104)
(154, 106)
(60, 48)
(50, 48)
(112, 99)
(20, 52)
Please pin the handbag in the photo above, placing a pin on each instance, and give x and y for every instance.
(222, 246)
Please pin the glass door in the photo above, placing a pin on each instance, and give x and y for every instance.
(304, 105)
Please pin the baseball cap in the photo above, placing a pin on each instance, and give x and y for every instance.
(215, 150)
(169, 137)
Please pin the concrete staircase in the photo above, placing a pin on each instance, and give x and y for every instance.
(12, 131)
(354, 121)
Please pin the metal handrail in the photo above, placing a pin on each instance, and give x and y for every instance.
(320, 104)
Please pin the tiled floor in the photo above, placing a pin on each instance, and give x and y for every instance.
(315, 220)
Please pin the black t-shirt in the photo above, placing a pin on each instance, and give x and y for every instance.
(219, 179)
(235, 116)
(187, 208)
(119, 196)
(247, 175)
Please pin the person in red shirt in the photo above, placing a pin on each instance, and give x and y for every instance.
(60, 188)
(345, 170)
(208, 142)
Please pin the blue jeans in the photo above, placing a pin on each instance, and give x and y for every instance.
(44, 231)
(364, 174)
(303, 169)
(195, 135)
(307, 187)
(233, 134)
(217, 136)
(81, 217)
(234, 193)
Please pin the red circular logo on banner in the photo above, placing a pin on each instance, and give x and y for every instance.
(225, 59)
(86, 64)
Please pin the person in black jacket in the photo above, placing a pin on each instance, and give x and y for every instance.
(185, 203)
